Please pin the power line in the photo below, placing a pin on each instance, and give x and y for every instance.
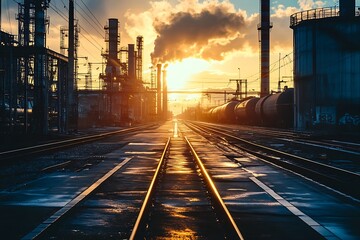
(92, 14)
(88, 20)
(83, 29)
(61, 14)
(58, 11)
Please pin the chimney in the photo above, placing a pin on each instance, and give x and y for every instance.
(264, 28)
(131, 62)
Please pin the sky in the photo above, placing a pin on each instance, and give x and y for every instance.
(204, 42)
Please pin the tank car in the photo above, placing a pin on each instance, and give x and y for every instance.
(276, 109)
(245, 111)
(225, 113)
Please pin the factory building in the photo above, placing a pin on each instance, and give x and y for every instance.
(122, 99)
(33, 79)
(327, 67)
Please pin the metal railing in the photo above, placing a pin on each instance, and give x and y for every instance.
(318, 13)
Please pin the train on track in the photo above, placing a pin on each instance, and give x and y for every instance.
(274, 110)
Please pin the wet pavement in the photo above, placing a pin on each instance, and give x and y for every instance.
(270, 203)
(266, 201)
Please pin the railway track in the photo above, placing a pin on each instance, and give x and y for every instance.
(305, 138)
(181, 202)
(336, 178)
(8, 155)
(181, 195)
(104, 201)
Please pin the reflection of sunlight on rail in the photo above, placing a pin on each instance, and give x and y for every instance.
(175, 128)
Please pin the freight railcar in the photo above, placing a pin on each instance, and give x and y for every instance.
(273, 110)
(276, 109)
(245, 111)
(224, 113)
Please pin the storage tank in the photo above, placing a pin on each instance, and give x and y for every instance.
(327, 66)
(245, 111)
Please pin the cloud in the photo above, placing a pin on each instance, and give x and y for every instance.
(210, 29)
(192, 34)
(309, 4)
(206, 30)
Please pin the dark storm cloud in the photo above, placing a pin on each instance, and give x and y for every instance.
(194, 34)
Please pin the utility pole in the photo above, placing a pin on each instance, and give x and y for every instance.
(279, 73)
(158, 88)
(71, 104)
(165, 99)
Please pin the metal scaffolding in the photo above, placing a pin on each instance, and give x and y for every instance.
(33, 78)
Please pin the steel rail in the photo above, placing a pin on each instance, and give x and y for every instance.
(61, 144)
(284, 153)
(219, 202)
(59, 214)
(301, 138)
(346, 176)
(145, 205)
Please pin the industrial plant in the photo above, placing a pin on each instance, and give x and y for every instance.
(39, 89)
(90, 147)
(40, 94)
(326, 94)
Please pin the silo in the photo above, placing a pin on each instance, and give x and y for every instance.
(327, 67)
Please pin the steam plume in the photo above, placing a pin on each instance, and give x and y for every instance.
(194, 34)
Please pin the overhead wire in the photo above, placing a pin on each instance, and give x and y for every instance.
(86, 19)
(60, 13)
(92, 17)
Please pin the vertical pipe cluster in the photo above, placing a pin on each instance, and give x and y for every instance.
(264, 29)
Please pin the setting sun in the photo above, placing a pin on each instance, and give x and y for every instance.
(180, 72)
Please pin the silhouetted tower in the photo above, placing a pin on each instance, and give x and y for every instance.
(131, 63)
(41, 93)
(32, 32)
(112, 70)
(71, 98)
(139, 46)
(26, 38)
(264, 28)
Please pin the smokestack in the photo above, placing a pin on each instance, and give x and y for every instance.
(158, 85)
(347, 8)
(113, 38)
(131, 62)
(165, 109)
(264, 29)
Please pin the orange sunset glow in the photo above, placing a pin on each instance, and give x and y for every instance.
(204, 43)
